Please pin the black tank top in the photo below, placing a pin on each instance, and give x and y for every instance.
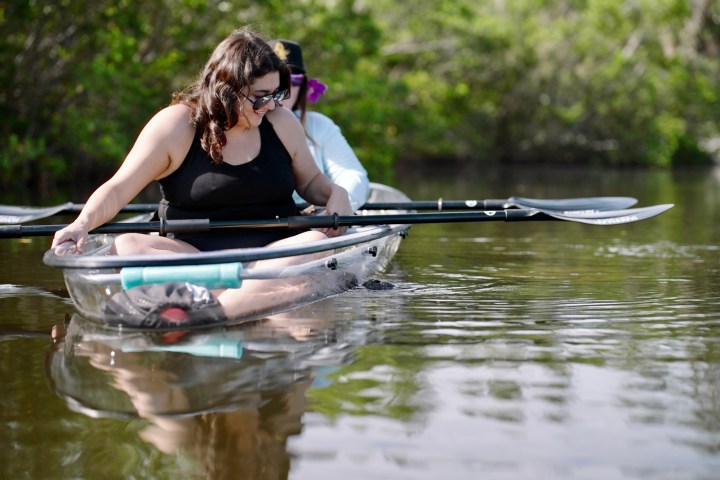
(257, 190)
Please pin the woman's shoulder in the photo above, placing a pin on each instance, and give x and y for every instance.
(171, 131)
(282, 115)
(175, 113)
(286, 126)
(283, 120)
(173, 119)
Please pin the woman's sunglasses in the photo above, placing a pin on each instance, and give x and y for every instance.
(260, 102)
(297, 79)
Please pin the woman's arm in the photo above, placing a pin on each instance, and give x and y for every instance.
(312, 185)
(159, 149)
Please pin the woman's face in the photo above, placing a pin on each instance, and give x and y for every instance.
(263, 86)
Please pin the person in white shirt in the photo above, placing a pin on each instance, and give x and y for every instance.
(329, 148)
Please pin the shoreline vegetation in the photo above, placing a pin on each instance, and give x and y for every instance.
(472, 180)
(607, 84)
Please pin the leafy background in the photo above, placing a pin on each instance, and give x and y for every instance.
(606, 82)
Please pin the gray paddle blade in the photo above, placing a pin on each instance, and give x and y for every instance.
(571, 206)
(614, 217)
(11, 214)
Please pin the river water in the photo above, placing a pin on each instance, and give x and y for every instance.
(505, 351)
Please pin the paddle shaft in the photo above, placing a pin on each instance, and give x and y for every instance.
(439, 205)
(11, 214)
(295, 222)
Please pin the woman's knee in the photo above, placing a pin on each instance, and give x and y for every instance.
(309, 236)
(140, 243)
(130, 244)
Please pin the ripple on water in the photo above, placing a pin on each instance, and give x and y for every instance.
(471, 316)
(663, 250)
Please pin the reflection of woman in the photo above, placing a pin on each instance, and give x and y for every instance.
(231, 415)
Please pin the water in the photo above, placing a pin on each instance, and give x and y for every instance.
(505, 351)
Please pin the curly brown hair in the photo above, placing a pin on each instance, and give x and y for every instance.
(237, 62)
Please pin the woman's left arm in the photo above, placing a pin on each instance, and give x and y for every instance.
(314, 186)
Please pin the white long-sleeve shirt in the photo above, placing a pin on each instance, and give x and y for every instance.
(336, 158)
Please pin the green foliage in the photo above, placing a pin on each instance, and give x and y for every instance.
(26, 161)
(81, 79)
(605, 81)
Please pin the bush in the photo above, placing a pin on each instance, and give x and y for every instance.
(536, 81)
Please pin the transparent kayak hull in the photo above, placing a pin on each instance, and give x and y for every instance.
(318, 270)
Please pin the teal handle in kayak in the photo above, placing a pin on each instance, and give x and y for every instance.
(225, 349)
(219, 275)
(213, 345)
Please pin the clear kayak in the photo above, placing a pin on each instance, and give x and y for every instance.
(178, 290)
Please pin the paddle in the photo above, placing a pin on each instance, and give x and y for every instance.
(11, 214)
(14, 214)
(612, 217)
(561, 205)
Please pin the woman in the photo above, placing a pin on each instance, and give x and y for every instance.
(221, 151)
(331, 151)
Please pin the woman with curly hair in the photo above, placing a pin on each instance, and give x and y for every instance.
(221, 151)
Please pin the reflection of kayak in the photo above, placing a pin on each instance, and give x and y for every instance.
(137, 290)
(103, 373)
(221, 401)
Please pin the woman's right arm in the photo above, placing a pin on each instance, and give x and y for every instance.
(158, 151)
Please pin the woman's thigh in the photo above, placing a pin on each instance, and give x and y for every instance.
(305, 237)
(142, 244)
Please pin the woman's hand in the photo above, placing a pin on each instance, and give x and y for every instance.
(338, 203)
(69, 240)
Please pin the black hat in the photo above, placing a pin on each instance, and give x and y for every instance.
(289, 52)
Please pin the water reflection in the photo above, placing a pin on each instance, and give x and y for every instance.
(227, 399)
(612, 340)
